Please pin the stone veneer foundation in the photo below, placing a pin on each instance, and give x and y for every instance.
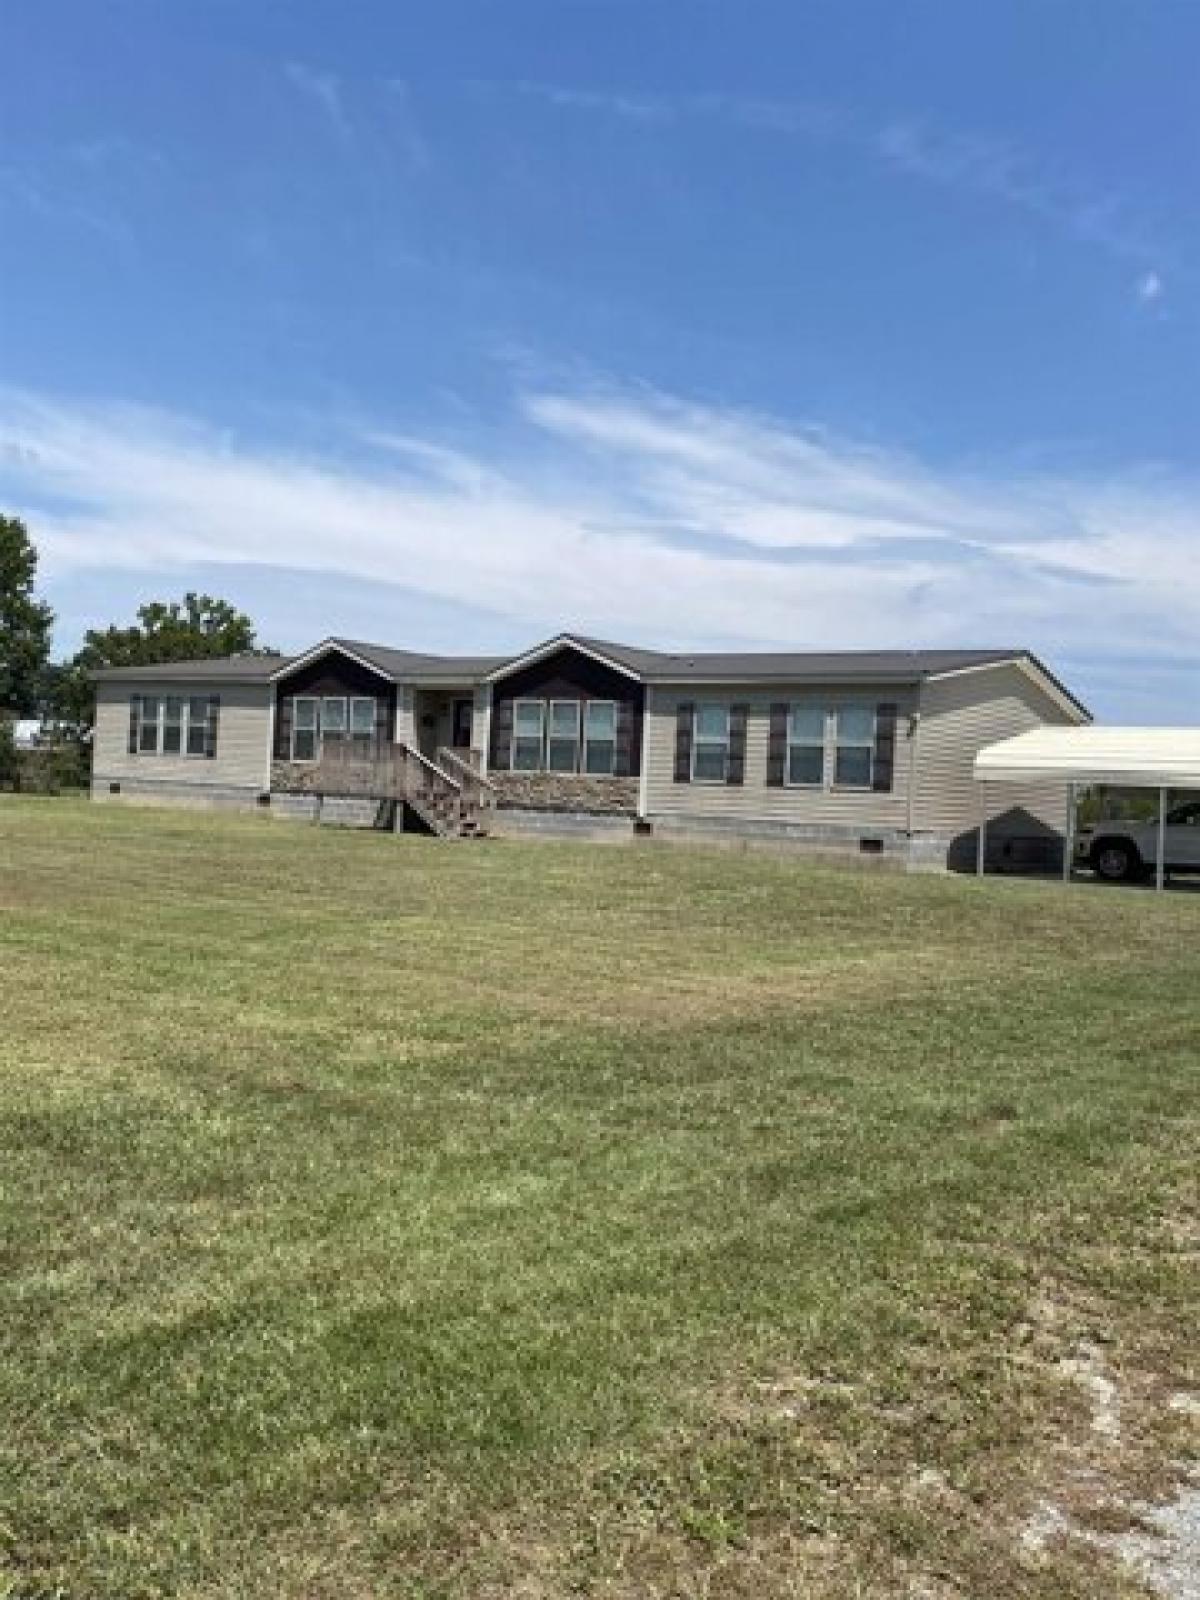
(565, 791)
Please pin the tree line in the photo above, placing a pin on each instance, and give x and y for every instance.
(60, 693)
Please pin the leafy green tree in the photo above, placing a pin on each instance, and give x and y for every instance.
(25, 622)
(194, 629)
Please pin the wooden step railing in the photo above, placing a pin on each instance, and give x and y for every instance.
(451, 803)
(478, 796)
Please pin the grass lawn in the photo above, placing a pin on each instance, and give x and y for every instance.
(398, 1217)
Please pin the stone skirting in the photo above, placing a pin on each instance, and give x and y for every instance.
(565, 791)
(293, 777)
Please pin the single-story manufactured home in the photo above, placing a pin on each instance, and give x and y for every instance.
(866, 751)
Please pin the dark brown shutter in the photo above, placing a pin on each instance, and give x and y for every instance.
(684, 713)
(210, 725)
(885, 747)
(777, 744)
(385, 719)
(502, 730)
(284, 712)
(735, 771)
(135, 722)
(623, 756)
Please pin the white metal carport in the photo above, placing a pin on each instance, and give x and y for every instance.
(1128, 758)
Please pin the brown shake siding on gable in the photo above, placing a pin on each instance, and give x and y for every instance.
(570, 675)
(336, 676)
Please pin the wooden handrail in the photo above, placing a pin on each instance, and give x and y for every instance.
(447, 756)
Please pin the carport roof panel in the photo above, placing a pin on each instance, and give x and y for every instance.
(1136, 758)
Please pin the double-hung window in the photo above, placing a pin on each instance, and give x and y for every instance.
(197, 725)
(529, 720)
(854, 747)
(172, 725)
(333, 717)
(806, 746)
(362, 722)
(710, 743)
(151, 708)
(562, 743)
(600, 737)
(306, 727)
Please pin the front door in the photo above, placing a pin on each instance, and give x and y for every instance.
(460, 728)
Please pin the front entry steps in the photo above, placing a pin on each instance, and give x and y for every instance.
(447, 797)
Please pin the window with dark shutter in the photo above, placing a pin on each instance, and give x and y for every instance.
(884, 766)
(777, 744)
(135, 720)
(735, 771)
(683, 741)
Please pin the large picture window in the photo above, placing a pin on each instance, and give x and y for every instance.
(562, 744)
(528, 734)
(854, 752)
(710, 743)
(600, 738)
(806, 746)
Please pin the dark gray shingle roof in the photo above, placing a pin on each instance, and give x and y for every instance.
(214, 669)
(747, 666)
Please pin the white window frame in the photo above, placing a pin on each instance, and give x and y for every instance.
(587, 742)
(335, 700)
(516, 737)
(806, 744)
(576, 740)
(202, 701)
(315, 730)
(710, 705)
(179, 723)
(361, 700)
(155, 722)
(854, 744)
(186, 722)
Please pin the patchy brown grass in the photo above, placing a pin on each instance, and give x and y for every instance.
(386, 1217)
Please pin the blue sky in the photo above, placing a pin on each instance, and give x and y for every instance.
(452, 324)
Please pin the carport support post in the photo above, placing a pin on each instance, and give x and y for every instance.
(1069, 835)
(1160, 855)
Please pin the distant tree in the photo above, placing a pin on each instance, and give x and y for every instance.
(25, 622)
(194, 629)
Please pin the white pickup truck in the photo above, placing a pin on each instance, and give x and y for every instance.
(1120, 851)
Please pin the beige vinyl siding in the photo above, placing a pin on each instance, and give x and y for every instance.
(243, 757)
(959, 715)
(479, 718)
(406, 727)
(754, 800)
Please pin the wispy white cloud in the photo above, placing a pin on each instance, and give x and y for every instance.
(1150, 288)
(917, 149)
(324, 89)
(632, 513)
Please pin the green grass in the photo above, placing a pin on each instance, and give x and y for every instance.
(395, 1217)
